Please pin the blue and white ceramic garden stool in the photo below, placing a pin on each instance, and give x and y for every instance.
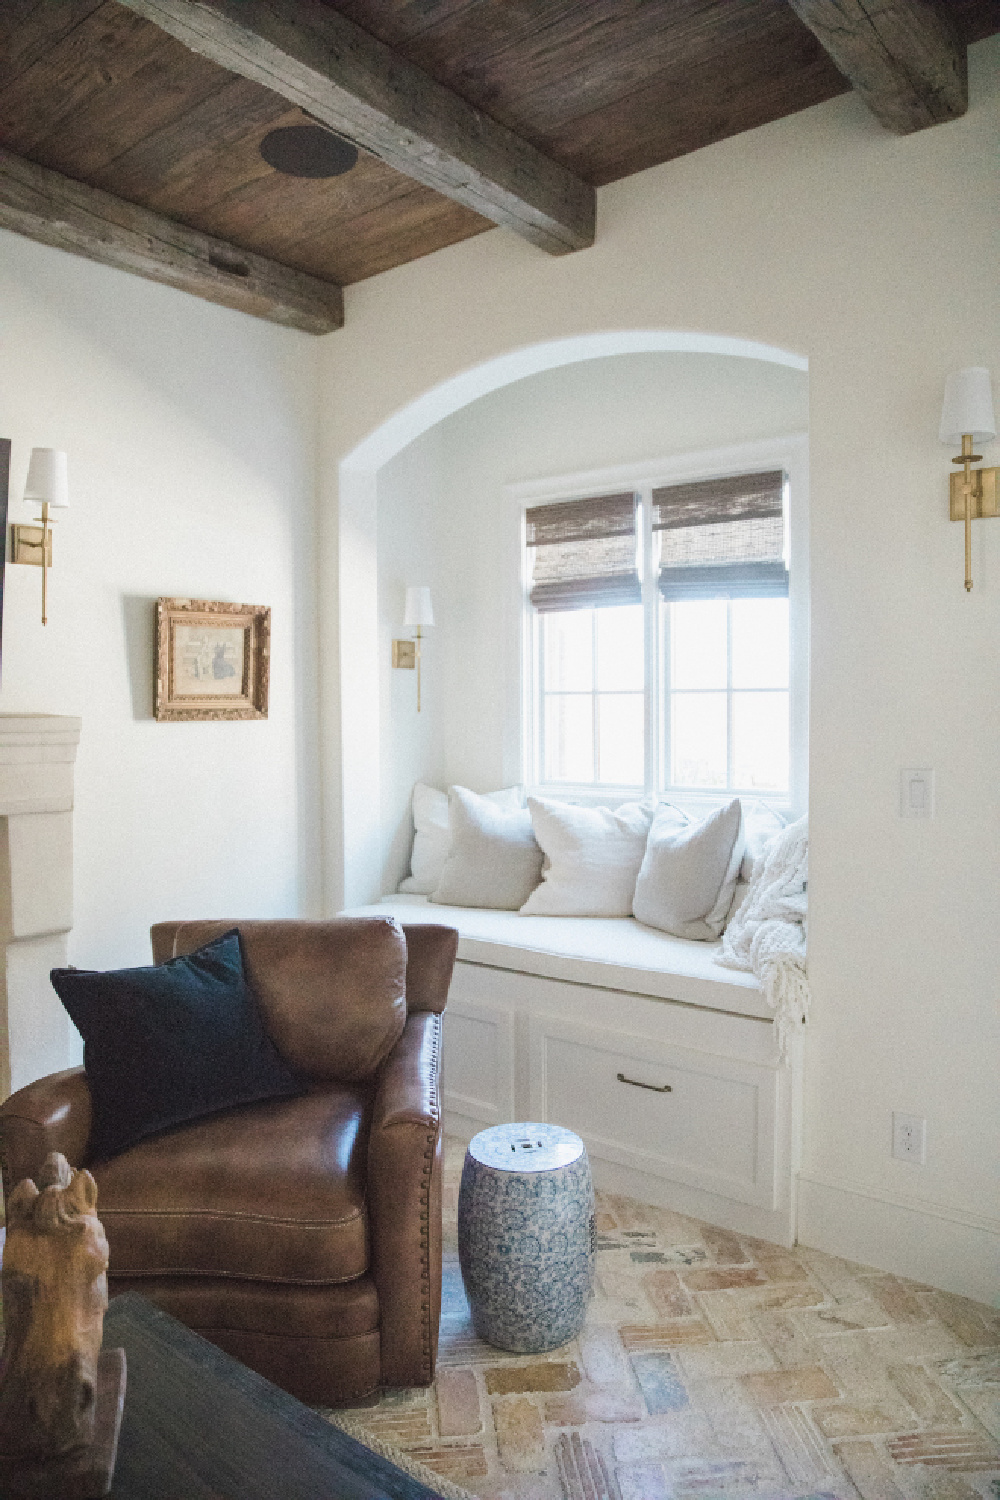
(526, 1235)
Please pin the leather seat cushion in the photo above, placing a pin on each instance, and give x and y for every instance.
(270, 1192)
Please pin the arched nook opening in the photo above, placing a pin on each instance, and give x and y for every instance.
(435, 488)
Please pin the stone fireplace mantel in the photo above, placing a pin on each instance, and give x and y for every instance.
(37, 756)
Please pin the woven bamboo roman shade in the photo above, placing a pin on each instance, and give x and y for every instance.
(584, 553)
(722, 538)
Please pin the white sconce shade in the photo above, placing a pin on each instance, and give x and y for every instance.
(968, 406)
(47, 481)
(418, 606)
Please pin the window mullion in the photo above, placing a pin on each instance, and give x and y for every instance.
(729, 695)
(650, 652)
(540, 697)
(594, 713)
(667, 700)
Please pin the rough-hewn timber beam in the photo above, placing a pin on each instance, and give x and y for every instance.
(46, 206)
(319, 60)
(904, 57)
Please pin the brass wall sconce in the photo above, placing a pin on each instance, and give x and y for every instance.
(967, 418)
(47, 486)
(419, 613)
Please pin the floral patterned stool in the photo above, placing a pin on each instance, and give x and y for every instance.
(526, 1235)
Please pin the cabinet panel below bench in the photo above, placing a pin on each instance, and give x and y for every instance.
(477, 1072)
(700, 1119)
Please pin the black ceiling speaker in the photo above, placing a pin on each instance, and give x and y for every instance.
(308, 151)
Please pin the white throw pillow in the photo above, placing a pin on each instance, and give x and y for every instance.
(432, 834)
(592, 858)
(494, 860)
(688, 875)
(760, 824)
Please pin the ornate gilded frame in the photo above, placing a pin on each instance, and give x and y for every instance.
(212, 660)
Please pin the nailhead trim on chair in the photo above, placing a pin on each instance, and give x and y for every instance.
(425, 1213)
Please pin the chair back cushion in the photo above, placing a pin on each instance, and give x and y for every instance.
(332, 993)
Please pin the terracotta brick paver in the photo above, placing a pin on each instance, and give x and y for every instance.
(459, 1413)
(663, 1335)
(772, 1389)
(924, 1395)
(847, 1419)
(718, 1280)
(583, 1473)
(715, 1366)
(548, 1375)
(960, 1449)
(520, 1434)
(665, 1292)
(460, 1464)
(870, 1470)
(724, 1248)
(565, 1411)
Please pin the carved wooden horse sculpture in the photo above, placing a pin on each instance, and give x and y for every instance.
(55, 1293)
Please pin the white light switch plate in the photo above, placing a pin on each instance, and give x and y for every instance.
(916, 793)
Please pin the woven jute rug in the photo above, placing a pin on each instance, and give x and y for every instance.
(712, 1365)
(437, 1482)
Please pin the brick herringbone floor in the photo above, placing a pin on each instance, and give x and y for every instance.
(712, 1365)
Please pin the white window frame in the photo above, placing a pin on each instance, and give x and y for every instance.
(521, 739)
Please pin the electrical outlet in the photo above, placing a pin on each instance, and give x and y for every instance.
(909, 1138)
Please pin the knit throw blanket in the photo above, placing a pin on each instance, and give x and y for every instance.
(767, 936)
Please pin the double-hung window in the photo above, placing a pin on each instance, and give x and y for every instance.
(659, 639)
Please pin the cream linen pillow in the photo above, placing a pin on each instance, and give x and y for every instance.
(432, 834)
(494, 860)
(688, 875)
(592, 858)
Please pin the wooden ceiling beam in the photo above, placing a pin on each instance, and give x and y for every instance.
(904, 57)
(49, 207)
(358, 87)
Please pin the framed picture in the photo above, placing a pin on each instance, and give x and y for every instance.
(212, 660)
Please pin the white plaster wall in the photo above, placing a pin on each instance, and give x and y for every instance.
(820, 234)
(442, 507)
(411, 550)
(191, 435)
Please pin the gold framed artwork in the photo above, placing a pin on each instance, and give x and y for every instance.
(212, 659)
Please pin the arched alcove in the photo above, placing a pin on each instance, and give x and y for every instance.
(360, 871)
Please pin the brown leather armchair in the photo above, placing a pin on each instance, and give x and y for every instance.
(302, 1235)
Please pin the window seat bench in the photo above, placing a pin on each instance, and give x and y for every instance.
(664, 1061)
(616, 953)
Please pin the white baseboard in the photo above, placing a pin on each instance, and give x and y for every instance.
(930, 1242)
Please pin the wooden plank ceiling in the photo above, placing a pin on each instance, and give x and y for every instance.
(605, 88)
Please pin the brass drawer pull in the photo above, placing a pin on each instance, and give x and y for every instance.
(656, 1088)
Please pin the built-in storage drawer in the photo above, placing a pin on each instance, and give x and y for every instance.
(699, 1118)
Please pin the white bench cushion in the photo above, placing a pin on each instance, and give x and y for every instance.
(615, 953)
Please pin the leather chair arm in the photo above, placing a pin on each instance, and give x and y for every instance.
(51, 1114)
(404, 1202)
(430, 959)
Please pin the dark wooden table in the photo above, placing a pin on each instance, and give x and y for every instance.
(200, 1426)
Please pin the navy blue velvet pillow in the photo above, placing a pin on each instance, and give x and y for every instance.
(168, 1043)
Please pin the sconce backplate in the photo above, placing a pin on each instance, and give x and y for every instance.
(404, 653)
(26, 545)
(984, 494)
